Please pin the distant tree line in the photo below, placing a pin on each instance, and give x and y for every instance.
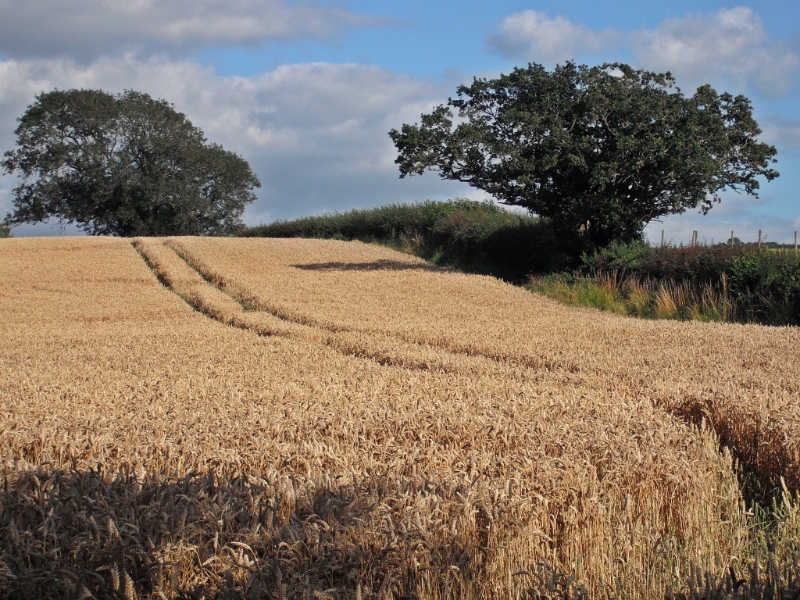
(598, 152)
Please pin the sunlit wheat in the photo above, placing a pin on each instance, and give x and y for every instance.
(304, 418)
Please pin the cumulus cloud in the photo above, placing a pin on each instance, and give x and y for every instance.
(730, 44)
(315, 134)
(535, 36)
(86, 28)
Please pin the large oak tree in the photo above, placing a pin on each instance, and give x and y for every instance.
(599, 151)
(124, 165)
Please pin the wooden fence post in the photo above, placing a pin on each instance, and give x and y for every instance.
(662, 238)
(759, 237)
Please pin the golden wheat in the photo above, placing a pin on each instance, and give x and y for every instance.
(336, 418)
(742, 379)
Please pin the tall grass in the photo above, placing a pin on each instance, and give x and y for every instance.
(648, 298)
(746, 284)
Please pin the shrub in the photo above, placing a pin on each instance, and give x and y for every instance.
(696, 263)
(618, 257)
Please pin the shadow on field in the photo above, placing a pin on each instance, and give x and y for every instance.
(377, 265)
(73, 534)
(81, 535)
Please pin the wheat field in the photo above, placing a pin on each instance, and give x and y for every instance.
(253, 418)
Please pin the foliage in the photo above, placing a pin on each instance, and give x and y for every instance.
(618, 256)
(5, 231)
(384, 222)
(768, 283)
(123, 165)
(717, 283)
(474, 236)
(696, 262)
(600, 151)
(741, 283)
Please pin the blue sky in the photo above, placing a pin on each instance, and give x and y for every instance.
(307, 91)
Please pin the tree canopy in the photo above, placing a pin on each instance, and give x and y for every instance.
(124, 165)
(599, 151)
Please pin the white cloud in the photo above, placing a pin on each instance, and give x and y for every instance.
(727, 47)
(730, 44)
(781, 132)
(535, 36)
(315, 134)
(87, 28)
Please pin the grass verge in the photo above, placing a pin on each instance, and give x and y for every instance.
(651, 299)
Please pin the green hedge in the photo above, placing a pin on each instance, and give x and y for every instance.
(473, 236)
